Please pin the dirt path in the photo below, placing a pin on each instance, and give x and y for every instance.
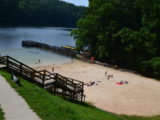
(13, 105)
(141, 96)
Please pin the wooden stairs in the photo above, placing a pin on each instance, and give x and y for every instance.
(52, 82)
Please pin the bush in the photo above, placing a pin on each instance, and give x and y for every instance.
(152, 66)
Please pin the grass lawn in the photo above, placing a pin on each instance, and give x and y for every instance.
(50, 107)
(141, 118)
(1, 115)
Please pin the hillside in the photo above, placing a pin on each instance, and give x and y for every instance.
(39, 13)
(51, 107)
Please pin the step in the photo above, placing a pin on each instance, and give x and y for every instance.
(2, 66)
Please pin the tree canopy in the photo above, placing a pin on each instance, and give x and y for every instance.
(122, 31)
(39, 13)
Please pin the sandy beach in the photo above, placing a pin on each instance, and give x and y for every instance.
(138, 96)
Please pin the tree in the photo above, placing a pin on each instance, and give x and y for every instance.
(39, 13)
(120, 31)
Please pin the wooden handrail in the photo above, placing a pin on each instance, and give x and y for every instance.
(43, 75)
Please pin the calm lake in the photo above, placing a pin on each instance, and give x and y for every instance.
(11, 40)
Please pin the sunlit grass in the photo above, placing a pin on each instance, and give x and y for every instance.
(1, 114)
(141, 118)
(50, 107)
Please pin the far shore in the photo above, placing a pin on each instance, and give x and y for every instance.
(137, 95)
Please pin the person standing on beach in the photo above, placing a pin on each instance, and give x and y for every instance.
(92, 58)
(106, 73)
(52, 69)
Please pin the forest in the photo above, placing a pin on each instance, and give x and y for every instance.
(39, 13)
(122, 32)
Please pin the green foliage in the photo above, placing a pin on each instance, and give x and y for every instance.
(39, 12)
(1, 114)
(140, 118)
(124, 32)
(152, 65)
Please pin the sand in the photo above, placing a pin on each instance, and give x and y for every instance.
(141, 96)
(13, 105)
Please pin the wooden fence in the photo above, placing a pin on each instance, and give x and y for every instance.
(52, 82)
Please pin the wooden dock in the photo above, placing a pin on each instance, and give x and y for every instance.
(52, 82)
(63, 50)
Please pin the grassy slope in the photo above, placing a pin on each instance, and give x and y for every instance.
(50, 107)
(141, 118)
(1, 115)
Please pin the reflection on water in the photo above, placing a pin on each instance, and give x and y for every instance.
(11, 39)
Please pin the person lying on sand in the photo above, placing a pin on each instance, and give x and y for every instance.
(122, 82)
(92, 83)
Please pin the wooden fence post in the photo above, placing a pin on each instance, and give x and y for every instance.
(7, 60)
(82, 92)
(44, 74)
(20, 68)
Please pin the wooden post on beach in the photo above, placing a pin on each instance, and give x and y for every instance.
(32, 74)
(55, 87)
(20, 68)
(74, 93)
(7, 60)
(44, 74)
(82, 92)
(84, 97)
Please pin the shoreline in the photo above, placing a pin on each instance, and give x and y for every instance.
(139, 97)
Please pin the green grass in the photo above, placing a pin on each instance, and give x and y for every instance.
(140, 118)
(1, 114)
(50, 107)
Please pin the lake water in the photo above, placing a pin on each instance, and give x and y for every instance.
(11, 40)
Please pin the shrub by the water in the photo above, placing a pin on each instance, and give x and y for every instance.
(152, 66)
